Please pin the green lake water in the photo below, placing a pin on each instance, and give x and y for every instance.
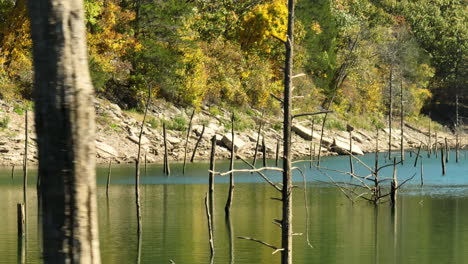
(429, 225)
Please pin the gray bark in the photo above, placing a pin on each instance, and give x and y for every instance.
(65, 127)
(286, 225)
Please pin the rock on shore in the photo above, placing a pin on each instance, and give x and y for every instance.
(117, 136)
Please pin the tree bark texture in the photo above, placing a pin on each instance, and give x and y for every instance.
(65, 127)
(286, 234)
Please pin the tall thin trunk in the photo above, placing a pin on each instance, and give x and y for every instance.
(402, 116)
(25, 178)
(227, 208)
(390, 116)
(137, 167)
(286, 224)
(187, 140)
(64, 117)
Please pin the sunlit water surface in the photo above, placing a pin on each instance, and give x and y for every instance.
(429, 225)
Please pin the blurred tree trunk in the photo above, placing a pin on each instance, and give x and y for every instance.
(286, 224)
(64, 115)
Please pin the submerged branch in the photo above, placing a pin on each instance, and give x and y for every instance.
(277, 249)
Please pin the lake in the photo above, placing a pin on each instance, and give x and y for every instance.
(429, 224)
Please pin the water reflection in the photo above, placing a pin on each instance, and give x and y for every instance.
(428, 225)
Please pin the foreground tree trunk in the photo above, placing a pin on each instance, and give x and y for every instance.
(286, 234)
(64, 117)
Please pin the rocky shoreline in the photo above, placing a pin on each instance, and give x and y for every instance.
(117, 136)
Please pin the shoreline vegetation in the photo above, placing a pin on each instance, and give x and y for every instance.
(117, 134)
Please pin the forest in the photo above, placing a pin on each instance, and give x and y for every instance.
(230, 53)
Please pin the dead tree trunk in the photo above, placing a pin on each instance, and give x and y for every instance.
(394, 184)
(257, 144)
(402, 116)
(108, 177)
(227, 208)
(64, 117)
(187, 140)
(211, 178)
(390, 116)
(137, 167)
(198, 143)
(312, 151)
(25, 176)
(442, 160)
(351, 166)
(286, 223)
(277, 153)
(166, 169)
(417, 155)
(429, 146)
(447, 151)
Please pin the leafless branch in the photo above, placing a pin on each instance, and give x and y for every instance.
(277, 249)
(246, 170)
(259, 173)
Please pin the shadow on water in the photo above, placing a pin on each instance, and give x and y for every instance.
(428, 225)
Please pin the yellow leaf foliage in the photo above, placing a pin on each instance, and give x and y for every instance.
(107, 45)
(264, 22)
(15, 46)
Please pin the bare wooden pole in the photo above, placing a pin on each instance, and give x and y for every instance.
(187, 140)
(287, 215)
(442, 160)
(198, 143)
(257, 144)
(137, 167)
(436, 144)
(376, 169)
(417, 155)
(457, 146)
(264, 156)
(208, 211)
(402, 117)
(422, 173)
(211, 176)
(429, 146)
(447, 151)
(312, 151)
(351, 166)
(227, 208)
(25, 174)
(167, 169)
(108, 177)
(390, 115)
(277, 152)
(394, 185)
